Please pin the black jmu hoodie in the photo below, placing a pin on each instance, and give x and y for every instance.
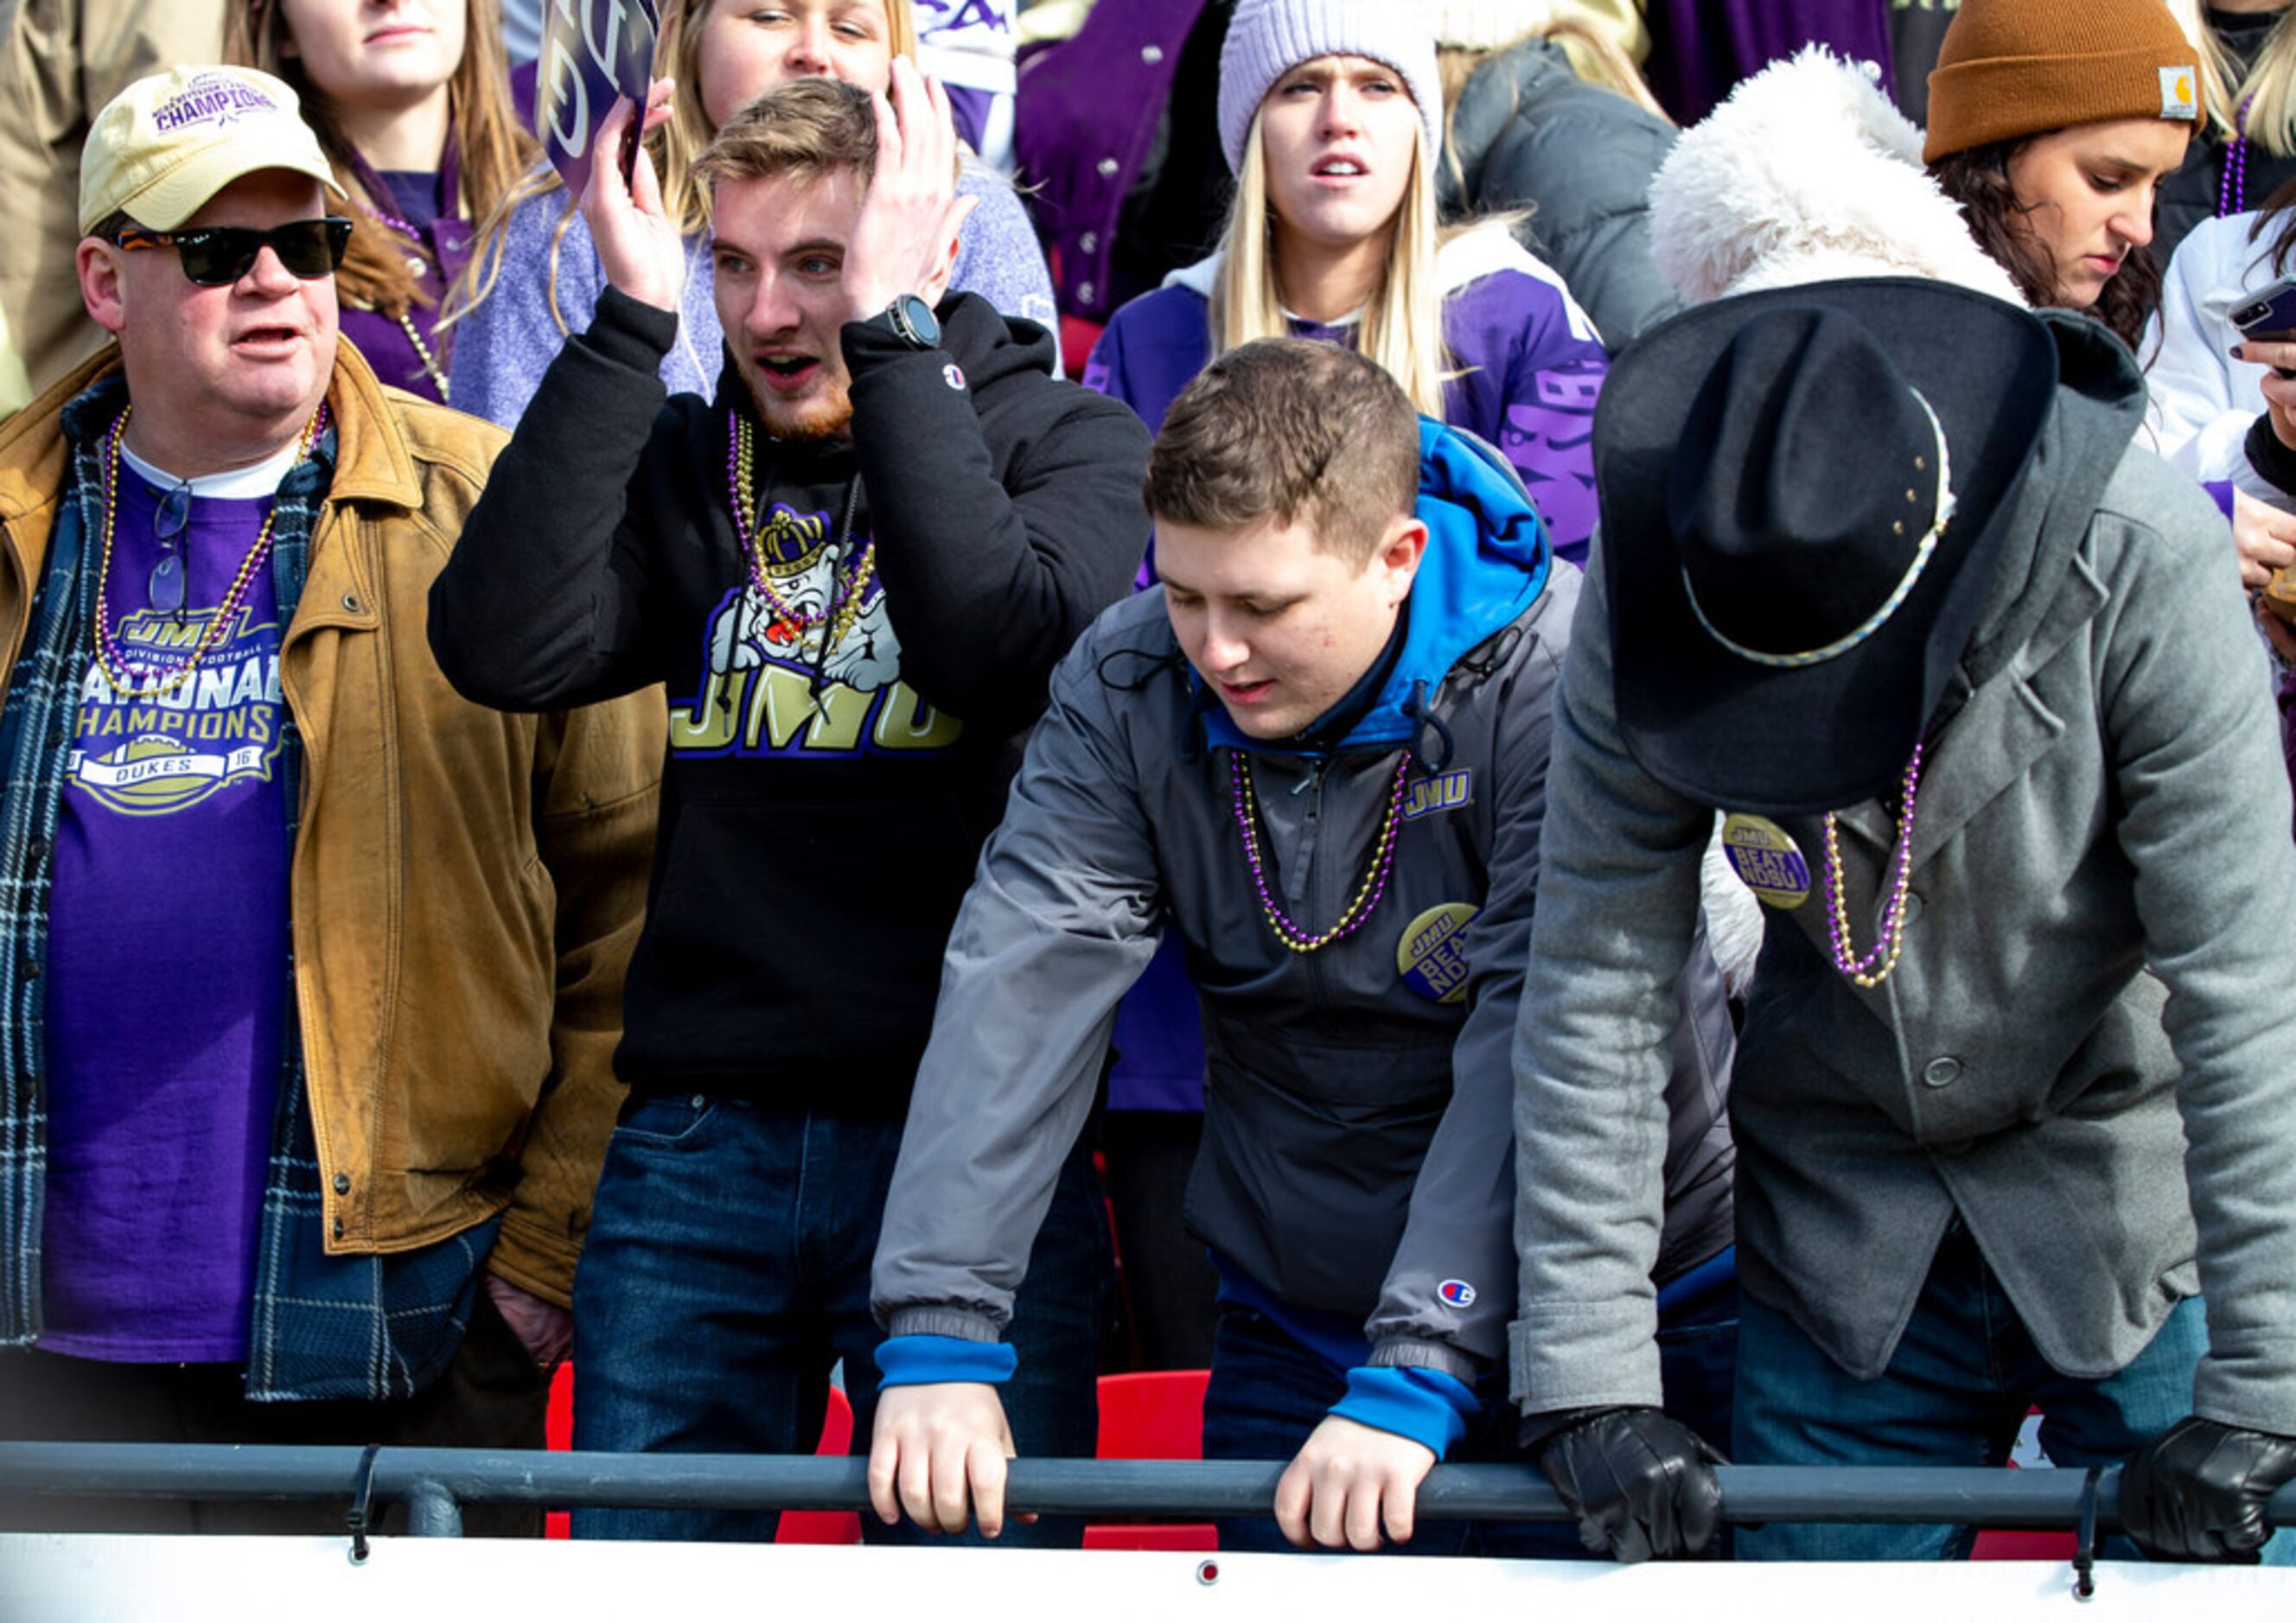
(823, 806)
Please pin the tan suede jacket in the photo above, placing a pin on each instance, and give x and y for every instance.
(466, 884)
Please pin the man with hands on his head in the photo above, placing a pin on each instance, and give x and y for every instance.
(1319, 756)
(852, 571)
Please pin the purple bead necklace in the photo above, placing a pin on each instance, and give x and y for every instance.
(418, 263)
(2232, 184)
(1367, 893)
(1875, 966)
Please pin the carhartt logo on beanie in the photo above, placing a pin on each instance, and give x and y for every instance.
(2014, 68)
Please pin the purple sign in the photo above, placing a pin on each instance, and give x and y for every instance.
(594, 54)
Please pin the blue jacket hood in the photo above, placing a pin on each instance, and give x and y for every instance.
(1488, 559)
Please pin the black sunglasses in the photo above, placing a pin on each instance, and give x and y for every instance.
(217, 256)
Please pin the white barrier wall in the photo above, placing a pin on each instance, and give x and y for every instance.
(89, 1579)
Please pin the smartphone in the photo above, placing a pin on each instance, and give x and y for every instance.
(2271, 314)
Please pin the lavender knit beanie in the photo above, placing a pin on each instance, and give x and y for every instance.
(1270, 38)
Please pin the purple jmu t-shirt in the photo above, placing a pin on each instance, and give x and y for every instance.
(166, 979)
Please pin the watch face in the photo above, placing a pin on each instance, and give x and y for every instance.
(915, 320)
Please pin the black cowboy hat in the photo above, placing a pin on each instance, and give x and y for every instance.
(1786, 607)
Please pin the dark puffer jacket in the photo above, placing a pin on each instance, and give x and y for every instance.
(1528, 132)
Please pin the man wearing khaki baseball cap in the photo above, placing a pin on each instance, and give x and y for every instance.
(340, 1203)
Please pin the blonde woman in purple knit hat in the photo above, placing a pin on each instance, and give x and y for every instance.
(1331, 115)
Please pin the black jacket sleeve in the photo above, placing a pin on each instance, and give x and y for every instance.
(989, 580)
(2271, 459)
(542, 604)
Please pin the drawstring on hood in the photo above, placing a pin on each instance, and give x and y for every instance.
(1423, 721)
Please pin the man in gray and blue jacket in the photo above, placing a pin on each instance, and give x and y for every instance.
(1320, 758)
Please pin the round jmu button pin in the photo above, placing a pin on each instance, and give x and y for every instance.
(1432, 952)
(1766, 858)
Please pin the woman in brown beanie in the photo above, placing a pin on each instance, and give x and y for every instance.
(2052, 123)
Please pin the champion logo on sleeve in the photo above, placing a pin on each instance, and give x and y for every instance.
(1456, 1292)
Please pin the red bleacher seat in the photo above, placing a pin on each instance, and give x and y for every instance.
(1997, 1544)
(798, 1527)
(1156, 1415)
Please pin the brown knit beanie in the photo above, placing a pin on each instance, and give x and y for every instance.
(2012, 68)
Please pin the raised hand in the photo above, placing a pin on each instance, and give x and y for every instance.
(638, 243)
(905, 239)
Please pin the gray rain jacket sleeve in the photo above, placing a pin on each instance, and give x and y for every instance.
(1064, 912)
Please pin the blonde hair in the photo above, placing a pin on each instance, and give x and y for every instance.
(2269, 85)
(673, 148)
(1596, 58)
(1402, 326)
(491, 151)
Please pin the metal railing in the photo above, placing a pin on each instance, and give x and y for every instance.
(434, 1485)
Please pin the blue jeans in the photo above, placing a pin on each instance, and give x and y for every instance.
(1956, 1392)
(728, 1270)
(1269, 1392)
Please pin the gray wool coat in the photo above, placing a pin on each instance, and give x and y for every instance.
(2106, 795)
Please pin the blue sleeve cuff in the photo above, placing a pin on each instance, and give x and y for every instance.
(1426, 1406)
(2221, 489)
(923, 1360)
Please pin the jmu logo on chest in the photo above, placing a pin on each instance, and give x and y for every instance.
(1444, 792)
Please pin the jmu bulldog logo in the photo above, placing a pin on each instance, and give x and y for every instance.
(811, 669)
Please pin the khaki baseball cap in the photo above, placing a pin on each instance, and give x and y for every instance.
(167, 144)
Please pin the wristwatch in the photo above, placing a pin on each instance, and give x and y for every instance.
(910, 319)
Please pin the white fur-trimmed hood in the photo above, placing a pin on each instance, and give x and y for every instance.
(1808, 173)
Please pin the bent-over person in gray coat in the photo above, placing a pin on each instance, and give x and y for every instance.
(1882, 577)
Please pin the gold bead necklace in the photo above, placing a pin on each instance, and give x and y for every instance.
(154, 682)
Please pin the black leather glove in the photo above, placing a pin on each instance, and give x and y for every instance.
(1640, 1485)
(2197, 1491)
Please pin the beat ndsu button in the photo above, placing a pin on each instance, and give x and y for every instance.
(1766, 858)
(1431, 953)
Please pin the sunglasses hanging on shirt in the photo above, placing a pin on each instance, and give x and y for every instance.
(168, 522)
(217, 256)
